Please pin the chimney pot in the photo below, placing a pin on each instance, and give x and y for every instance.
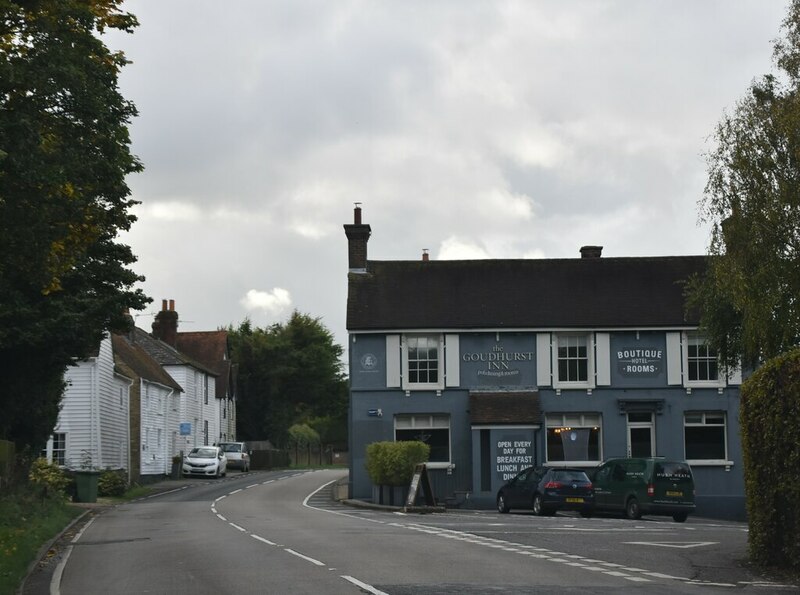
(172, 305)
(357, 214)
(163, 305)
(591, 251)
(425, 255)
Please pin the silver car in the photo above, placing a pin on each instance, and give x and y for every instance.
(237, 455)
(205, 461)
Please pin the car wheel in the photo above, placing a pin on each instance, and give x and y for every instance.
(538, 509)
(679, 517)
(502, 508)
(632, 509)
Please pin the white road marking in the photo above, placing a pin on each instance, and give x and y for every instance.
(234, 492)
(222, 518)
(261, 539)
(299, 555)
(252, 486)
(235, 526)
(677, 544)
(365, 586)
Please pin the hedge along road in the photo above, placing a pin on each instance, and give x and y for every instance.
(279, 532)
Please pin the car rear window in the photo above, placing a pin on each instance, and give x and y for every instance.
(570, 476)
(677, 472)
(232, 447)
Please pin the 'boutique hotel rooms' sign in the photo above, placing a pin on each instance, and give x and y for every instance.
(640, 362)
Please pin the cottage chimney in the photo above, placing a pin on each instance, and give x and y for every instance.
(357, 238)
(165, 325)
(425, 255)
(591, 251)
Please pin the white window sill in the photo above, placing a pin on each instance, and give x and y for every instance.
(439, 465)
(703, 384)
(709, 463)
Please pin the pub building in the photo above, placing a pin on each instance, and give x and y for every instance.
(503, 364)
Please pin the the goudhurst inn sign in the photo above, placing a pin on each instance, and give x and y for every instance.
(498, 362)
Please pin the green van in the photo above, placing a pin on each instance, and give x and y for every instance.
(638, 486)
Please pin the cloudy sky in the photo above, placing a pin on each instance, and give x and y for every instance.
(473, 129)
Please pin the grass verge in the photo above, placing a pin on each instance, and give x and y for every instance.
(27, 522)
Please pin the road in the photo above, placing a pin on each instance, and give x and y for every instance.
(279, 532)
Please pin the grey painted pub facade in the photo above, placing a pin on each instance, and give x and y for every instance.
(503, 364)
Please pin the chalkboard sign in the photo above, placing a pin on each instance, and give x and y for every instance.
(420, 478)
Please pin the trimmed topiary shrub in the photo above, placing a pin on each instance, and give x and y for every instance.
(393, 463)
(769, 419)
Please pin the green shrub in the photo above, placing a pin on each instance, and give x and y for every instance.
(112, 483)
(770, 424)
(393, 463)
(49, 477)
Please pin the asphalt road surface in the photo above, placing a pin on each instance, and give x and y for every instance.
(280, 532)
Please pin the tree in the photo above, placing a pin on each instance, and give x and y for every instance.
(64, 156)
(289, 374)
(749, 298)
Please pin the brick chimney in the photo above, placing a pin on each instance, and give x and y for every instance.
(357, 238)
(165, 326)
(591, 251)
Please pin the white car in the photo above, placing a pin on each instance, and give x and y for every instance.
(237, 455)
(205, 461)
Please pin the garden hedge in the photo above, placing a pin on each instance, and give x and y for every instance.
(770, 428)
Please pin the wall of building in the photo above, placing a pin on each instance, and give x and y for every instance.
(634, 374)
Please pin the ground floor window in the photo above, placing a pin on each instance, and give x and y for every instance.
(573, 437)
(704, 436)
(58, 451)
(432, 429)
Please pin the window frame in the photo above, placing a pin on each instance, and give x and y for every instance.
(428, 421)
(560, 384)
(696, 338)
(703, 423)
(61, 461)
(438, 340)
(586, 420)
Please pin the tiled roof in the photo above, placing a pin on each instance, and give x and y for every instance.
(505, 408)
(211, 349)
(138, 360)
(165, 354)
(535, 293)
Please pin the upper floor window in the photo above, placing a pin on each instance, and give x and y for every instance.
(573, 361)
(573, 358)
(701, 359)
(422, 362)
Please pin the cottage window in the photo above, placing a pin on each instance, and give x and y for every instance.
(59, 456)
(432, 429)
(705, 436)
(573, 438)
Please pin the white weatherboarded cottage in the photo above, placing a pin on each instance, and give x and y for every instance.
(92, 431)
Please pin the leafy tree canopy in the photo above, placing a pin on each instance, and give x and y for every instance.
(64, 156)
(749, 299)
(290, 380)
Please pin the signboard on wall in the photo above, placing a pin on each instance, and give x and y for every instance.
(186, 428)
(512, 456)
(640, 363)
